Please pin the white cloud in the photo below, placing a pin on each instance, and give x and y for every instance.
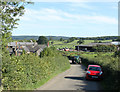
(46, 14)
(93, 19)
(52, 11)
(104, 19)
(43, 14)
(81, 5)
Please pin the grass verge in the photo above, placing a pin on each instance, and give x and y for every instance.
(43, 81)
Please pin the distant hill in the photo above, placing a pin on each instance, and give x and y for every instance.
(24, 37)
(36, 37)
(102, 38)
(58, 37)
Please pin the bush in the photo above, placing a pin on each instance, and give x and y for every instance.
(105, 48)
(49, 52)
(28, 71)
(117, 53)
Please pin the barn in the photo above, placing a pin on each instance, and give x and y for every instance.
(90, 47)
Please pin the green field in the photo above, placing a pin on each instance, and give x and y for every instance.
(63, 44)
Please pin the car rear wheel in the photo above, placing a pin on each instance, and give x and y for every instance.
(72, 61)
(86, 78)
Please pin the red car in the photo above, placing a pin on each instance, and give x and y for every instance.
(66, 49)
(94, 72)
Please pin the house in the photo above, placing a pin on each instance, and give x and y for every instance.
(34, 49)
(89, 47)
(18, 47)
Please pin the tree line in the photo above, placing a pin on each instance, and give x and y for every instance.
(61, 38)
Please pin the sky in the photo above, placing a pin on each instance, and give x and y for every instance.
(72, 19)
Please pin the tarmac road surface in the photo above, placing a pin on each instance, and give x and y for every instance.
(72, 79)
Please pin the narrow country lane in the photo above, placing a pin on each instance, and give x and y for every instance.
(72, 79)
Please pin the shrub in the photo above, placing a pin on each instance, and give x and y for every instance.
(49, 52)
(117, 53)
(27, 71)
(105, 48)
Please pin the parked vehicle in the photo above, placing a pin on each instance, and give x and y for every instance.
(66, 49)
(94, 72)
(75, 59)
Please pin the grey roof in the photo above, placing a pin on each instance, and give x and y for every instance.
(30, 48)
(104, 43)
(10, 50)
(25, 48)
(21, 43)
(95, 44)
(85, 45)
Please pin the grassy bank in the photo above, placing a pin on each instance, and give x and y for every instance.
(109, 65)
(28, 72)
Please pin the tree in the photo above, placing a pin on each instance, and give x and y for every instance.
(71, 39)
(75, 38)
(68, 41)
(99, 41)
(61, 39)
(105, 48)
(9, 14)
(52, 42)
(50, 38)
(42, 40)
(80, 41)
(118, 39)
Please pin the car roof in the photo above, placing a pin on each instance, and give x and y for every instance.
(94, 65)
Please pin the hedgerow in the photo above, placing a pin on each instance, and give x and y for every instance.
(105, 48)
(50, 52)
(110, 66)
(27, 71)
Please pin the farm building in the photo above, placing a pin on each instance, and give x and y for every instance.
(84, 48)
(90, 46)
